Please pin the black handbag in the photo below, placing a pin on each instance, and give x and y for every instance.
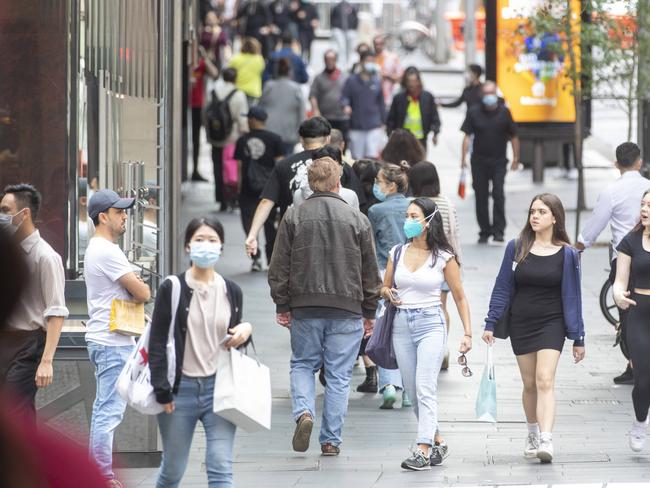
(380, 345)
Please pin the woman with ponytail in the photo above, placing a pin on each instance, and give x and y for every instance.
(387, 218)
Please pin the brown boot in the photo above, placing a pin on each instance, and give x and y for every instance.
(303, 432)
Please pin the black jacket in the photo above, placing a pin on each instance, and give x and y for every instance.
(344, 16)
(160, 323)
(397, 113)
(324, 256)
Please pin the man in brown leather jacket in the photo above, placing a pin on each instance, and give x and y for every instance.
(325, 283)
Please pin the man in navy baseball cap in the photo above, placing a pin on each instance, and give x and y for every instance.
(102, 200)
(258, 113)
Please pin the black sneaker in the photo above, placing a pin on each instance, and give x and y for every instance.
(498, 239)
(416, 462)
(482, 240)
(626, 378)
(439, 453)
(256, 266)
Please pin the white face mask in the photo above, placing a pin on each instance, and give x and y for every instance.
(6, 222)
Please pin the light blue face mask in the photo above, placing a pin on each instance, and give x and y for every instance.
(6, 222)
(413, 228)
(490, 100)
(378, 193)
(205, 254)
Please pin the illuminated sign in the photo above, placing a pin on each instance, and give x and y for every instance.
(532, 66)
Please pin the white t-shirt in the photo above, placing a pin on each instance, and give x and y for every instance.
(421, 288)
(104, 265)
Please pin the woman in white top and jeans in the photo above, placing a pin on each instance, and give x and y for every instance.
(208, 321)
(419, 331)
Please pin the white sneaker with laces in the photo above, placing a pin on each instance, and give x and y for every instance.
(545, 451)
(638, 434)
(532, 444)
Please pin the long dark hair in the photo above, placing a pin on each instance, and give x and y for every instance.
(527, 235)
(436, 238)
(424, 180)
(639, 226)
(403, 146)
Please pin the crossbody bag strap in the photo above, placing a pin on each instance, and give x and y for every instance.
(398, 254)
(176, 297)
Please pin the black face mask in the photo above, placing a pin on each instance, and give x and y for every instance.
(330, 70)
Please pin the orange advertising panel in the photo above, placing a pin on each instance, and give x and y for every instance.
(532, 66)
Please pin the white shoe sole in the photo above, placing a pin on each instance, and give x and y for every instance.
(544, 456)
(637, 448)
(530, 454)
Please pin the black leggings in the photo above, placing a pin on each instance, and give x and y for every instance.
(638, 343)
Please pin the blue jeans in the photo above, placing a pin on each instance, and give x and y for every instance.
(420, 342)
(108, 408)
(193, 403)
(333, 343)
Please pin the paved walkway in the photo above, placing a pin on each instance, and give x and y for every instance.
(593, 415)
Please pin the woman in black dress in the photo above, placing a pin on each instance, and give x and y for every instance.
(538, 293)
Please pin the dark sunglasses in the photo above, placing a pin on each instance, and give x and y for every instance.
(462, 360)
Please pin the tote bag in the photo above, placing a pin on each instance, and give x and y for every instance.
(242, 391)
(134, 382)
(486, 401)
(380, 346)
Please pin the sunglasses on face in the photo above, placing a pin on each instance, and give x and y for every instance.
(462, 360)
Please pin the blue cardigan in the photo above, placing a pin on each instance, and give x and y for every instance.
(504, 291)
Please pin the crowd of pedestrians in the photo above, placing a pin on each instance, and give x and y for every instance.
(355, 222)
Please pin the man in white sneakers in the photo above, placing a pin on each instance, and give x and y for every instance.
(109, 276)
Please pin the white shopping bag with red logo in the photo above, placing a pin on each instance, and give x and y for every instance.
(134, 382)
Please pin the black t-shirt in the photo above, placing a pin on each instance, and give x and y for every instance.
(289, 175)
(632, 245)
(261, 147)
(492, 129)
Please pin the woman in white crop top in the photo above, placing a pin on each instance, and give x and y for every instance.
(419, 331)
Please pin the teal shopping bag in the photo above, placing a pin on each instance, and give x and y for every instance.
(486, 401)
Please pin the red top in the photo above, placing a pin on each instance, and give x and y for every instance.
(197, 85)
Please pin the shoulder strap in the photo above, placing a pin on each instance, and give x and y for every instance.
(397, 255)
(230, 95)
(176, 296)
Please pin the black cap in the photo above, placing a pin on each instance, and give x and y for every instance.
(257, 113)
(105, 199)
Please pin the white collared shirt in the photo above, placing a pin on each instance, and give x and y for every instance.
(620, 205)
(44, 295)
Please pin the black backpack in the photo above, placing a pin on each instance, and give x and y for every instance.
(218, 119)
(257, 174)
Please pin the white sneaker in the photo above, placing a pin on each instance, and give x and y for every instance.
(532, 444)
(545, 451)
(637, 435)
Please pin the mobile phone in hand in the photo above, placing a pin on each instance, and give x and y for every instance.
(225, 340)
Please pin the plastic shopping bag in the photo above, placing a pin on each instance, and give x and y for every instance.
(462, 182)
(134, 382)
(486, 401)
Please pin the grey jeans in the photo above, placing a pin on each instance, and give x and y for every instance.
(420, 342)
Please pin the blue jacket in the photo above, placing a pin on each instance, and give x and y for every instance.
(366, 98)
(387, 220)
(504, 291)
(298, 69)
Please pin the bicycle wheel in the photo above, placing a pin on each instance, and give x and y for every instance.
(607, 304)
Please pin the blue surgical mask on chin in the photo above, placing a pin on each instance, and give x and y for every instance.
(205, 254)
(378, 193)
(490, 100)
